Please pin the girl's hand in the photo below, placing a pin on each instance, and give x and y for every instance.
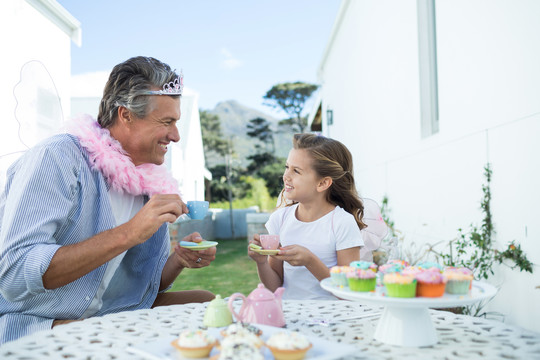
(259, 259)
(295, 255)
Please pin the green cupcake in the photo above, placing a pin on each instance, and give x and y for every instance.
(362, 280)
(398, 285)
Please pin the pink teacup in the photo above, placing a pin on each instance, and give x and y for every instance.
(269, 242)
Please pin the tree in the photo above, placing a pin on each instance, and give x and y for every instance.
(214, 142)
(258, 161)
(260, 128)
(291, 98)
(220, 189)
(212, 135)
(273, 176)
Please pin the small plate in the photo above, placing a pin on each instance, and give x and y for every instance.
(265, 251)
(205, 244)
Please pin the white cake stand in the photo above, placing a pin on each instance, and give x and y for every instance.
(406, 321)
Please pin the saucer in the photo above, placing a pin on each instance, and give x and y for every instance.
(266, 251)
(205, 244)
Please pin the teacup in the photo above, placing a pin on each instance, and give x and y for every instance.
(197, 209)
(269, 242)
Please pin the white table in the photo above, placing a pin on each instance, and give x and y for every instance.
(460, 337)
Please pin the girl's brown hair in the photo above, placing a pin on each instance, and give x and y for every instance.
(332, 159)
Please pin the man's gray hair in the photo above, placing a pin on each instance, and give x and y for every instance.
(128, 84)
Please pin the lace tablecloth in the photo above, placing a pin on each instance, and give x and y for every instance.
(460, 337)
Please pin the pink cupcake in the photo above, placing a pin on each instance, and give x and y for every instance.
(411, 271)
(431, 283)
(428, 265)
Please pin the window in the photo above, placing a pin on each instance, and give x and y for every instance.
(427, 59)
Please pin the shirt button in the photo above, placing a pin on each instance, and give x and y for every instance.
(87, 298)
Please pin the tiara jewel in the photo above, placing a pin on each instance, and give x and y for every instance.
(175, 87)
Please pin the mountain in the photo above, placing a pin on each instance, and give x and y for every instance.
(234, 119)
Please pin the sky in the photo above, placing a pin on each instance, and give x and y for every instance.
(227, 50)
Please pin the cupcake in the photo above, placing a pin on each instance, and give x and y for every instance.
(387, 268)
(238, 351)
(459, 280)
(411, 271)
(288, 345)
(390, 268)
(364, 265)
(240, 328)
(338, 274)
(430, 283)
(399, 285)
(427, 265)
(399, 262)
(194, 343)
(246, 338)
(361, 280)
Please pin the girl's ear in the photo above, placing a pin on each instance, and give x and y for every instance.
(324, 184)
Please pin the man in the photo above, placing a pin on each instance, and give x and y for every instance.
(84, 216)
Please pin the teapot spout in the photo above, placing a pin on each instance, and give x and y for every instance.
(279, 293)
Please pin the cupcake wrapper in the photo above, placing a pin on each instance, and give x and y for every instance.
(430, 290)
(458, 287)
(339, 279)
(362, 284)
(401, 290)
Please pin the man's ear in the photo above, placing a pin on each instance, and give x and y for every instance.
(124, 115)
(324, 184)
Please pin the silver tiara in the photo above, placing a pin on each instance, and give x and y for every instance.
(175, 87)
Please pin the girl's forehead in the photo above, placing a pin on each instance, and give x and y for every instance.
(299, 158)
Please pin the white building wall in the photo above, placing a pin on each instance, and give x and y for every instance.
(187, 156)
(489, 105)
(29, 37)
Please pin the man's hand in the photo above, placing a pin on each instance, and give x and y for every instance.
(158, 210)
(190, 258)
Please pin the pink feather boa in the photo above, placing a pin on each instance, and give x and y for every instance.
(111, 160)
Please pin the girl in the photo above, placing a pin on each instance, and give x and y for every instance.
(320, 225)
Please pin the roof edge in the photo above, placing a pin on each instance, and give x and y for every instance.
(335, 29)
(59, 16)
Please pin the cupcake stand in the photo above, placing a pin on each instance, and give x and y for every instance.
(406, 321)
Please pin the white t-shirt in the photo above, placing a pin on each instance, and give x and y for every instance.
(124, 207)
(335, 231)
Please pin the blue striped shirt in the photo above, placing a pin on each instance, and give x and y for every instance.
(53, 198)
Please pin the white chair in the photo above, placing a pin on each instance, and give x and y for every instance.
(375, 231)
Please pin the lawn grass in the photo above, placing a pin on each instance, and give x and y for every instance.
(232, 271)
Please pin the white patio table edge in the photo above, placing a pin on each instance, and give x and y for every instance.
(106, 337)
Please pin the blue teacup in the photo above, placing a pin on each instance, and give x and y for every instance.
(197, 209)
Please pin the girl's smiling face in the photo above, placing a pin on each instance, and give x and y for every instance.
(300, 179)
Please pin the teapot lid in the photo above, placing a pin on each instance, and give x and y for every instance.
(261, 293)
(217, 302)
